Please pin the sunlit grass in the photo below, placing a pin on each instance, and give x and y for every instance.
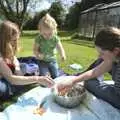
(77, 51)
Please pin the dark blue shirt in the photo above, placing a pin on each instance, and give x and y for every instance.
(116, 76)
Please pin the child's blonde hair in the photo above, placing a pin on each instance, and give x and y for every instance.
(8, 32)
(48, 22)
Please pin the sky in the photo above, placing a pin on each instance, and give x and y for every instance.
(69, 2)
(45, 4)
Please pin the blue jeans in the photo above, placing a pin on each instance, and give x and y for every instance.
(7, 89)
(49, 67)
(103, 91)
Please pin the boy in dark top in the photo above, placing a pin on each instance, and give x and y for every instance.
(107, 43)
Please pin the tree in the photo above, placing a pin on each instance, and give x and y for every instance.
(32, 23)
(57, 12)
(37, 18)
(72, 18)
(16, 10)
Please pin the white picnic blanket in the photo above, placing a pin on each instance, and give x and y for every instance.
(91, 109)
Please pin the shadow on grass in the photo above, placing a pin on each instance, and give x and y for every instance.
(74, 37)
(35, 33)
(29, 34)
(65, 33)
(85, 43)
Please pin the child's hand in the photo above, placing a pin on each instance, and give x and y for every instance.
(64, 86)
(63, 58)
(46, 81)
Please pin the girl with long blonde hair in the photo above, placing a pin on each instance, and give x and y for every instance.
(10, 73)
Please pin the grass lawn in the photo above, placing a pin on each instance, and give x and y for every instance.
(77, 51)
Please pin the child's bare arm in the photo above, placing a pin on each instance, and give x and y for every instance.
(104, 67)
(22, 80)
(61, 50)
(36, 51)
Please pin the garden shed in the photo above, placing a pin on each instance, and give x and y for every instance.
(102, 15)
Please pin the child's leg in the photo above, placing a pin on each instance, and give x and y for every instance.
(43, 67)
(103, 91)
(5, 89)
(43, 71)
(53, 68)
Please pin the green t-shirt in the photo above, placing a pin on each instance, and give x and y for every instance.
(47, 47)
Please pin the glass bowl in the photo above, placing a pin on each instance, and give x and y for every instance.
(71, 98)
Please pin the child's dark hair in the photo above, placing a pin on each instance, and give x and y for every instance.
(108, 38)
